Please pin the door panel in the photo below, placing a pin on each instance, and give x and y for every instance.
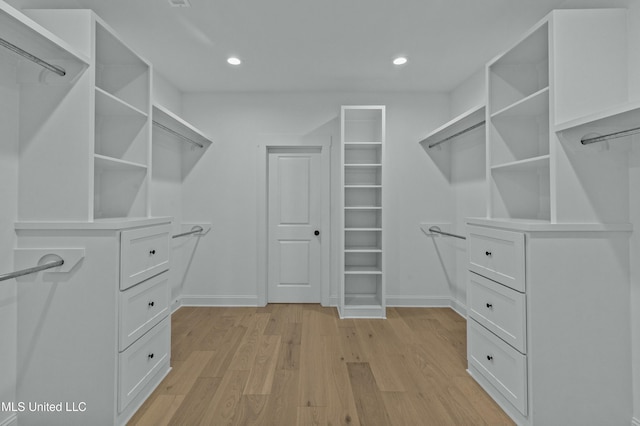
(294, 256)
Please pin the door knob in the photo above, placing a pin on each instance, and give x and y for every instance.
(316, 232)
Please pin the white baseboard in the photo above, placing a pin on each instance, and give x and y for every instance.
(460, 308)
(197, 300)
(418, 302)
(12, 420)
(635, 422)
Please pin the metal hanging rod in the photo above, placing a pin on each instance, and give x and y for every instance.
(615, 135)
(173, 132)
(437, 230)
(32, 270)
(461, 132)
(53, 68)
(194, 230)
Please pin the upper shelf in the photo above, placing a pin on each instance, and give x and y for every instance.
(616, 121)
(39, 46)
(461, 124)
(171, 122)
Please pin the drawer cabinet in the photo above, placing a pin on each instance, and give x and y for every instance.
(139, 363)
(111, 347)
(498, 255)
(497, 324)
(498, 308)
(141, 307)
(543, 313)
(144, 252)
(503, 366)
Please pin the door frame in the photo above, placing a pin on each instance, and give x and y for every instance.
(280, 142)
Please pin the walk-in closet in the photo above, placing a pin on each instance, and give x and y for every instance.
(329, 213)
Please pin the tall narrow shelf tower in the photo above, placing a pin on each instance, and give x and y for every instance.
(362, 293)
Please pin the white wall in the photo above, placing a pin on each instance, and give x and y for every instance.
(8, 213)
(166, 94)
(634, 202)
(222, 188)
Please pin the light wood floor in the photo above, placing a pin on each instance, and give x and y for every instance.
(301, 365)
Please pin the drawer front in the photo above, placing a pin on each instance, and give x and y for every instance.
(142, 307)
(498, 255)
(144, 253)
(499, 363)
(138, 364)
(499, 308)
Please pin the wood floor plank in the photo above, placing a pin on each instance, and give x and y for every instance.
(282, 407)
(401, 410)
(369, 402)
(246, 353)
(341, 407)
(220, 362)
(289, 355)
(160, 412)
(223, 408)
(180, 380)
(312, 389)
(252, 411)
(264, 367)
(382, 366)
(200, 395)
(312, 416)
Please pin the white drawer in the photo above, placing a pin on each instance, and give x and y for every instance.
(142, 307)
(144, 252)
(498, 255)
(499, 308)
(499, 363)
(138, 364)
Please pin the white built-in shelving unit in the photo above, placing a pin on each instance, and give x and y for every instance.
(546, 78)
(102, 161)
(556, 231)
(362, 265)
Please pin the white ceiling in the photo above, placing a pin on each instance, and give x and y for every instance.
(334, 45)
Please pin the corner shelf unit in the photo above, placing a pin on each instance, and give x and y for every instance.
(531, 174)
(362, 290)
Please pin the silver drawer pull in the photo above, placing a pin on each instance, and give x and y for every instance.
(487, 253)
(489, 305)
(152, 252)
(151, 304)
(489, 357)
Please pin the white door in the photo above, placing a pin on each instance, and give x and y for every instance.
(294, 234)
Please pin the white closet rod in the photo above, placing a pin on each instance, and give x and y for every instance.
(438, 231)
(54, 68)
(173, 132)
(615, 135)
(31, 270)
(461, 132)
(194, 230)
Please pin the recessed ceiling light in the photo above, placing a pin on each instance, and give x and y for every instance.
(234, 61)
(179, 3)
(400, 60)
